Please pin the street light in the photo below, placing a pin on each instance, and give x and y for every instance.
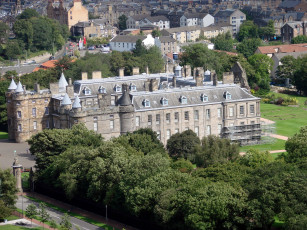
(106, 212)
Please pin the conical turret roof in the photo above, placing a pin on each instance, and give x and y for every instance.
(125, 98)
(19, 88)
(76, 103)
(13, 85)
(66, 100)
(62, 83)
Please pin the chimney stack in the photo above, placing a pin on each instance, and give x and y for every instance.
(84, 75)
(215, 81)
(121, 72)
(135, 70)
(96, 75)
(174, 81)
(37, 87)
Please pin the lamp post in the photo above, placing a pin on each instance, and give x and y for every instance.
(106, 212)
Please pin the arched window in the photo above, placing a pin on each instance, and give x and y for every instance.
(146, 103)
(118, 89)
(87, 91)
(133, 87)
(183, 100)
(227, 95)
(204, 97)
(164, 101)
(102, 90)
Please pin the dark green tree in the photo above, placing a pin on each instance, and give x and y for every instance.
(156, 33)
(5, 211)
(42, 33)
(65, 223)
(24, 32)
(7, 188)
(4, 84)
(12, 50)
(247, 30)
(3, 32)
(214, 150)
(28, 14)
(223, 42)
(268, 31)
(184, 166)
(299, 39)
(31, 212)
(296, 146)
(287, 68)
(300, 76)
(255, 158)
(154, 60)
(248, 46)
(139, 49)
(182, 145)
(122, 22)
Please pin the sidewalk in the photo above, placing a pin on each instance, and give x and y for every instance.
(79, 211)
(272, 151)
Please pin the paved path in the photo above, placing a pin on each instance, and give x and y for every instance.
(82, 212)
(272, 151)
(279, 136)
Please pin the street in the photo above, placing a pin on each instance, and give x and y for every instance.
(23, 202)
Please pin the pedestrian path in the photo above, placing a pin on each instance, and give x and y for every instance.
(272, 151)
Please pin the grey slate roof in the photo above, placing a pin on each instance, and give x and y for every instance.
(62, 83)
(12, 85)
(224, 13)
(19, 88)
(164, 39)
(184, 29)
(85, 24)
(128, 38)
(66, 100)
(76, 103)
(216, 95)
(195, 15)
(157, 18)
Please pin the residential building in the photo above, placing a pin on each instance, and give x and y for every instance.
(118, 105)
(232, 16)
(184, 34)
(196, 19)
(270, 50)
(291, 30)
(166, 44)
(138, 21)
(89, 29)
(127, 42)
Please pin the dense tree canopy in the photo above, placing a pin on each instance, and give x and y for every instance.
(122, 22)
(223, 42)
(299, 39)
(300, 75)
(287, 67)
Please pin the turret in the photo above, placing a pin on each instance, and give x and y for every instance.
(19, 88)
(66, 102)
(126, 111)
(76, 106)
(62, 83)
(12, 86)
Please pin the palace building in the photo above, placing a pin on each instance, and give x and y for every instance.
(166, 103)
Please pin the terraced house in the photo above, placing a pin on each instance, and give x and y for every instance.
(167, 103)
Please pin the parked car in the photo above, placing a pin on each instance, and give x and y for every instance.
(51, 58)
(91, 48)
(29, 62)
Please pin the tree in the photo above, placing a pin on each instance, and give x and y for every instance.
(23, 29)
(42, 33)
(65, 223)
(248, 46)
(139, 49)
(184, 166)
(223, 42)
(156, 33)
(296, 146)
(299, 39)
(181, 145)
(4, 84)
(300, 76)
(12, 50)
(268, 31)
(53, 224)
(44, 215)
(215, 150)
(3, 32)
(5, 211)
(28, 14)
(122, 22)
(31, 212)
(262, 65)
(154, 60)
(247, 30)
(255, 158)
(7, 188)
(287, 67)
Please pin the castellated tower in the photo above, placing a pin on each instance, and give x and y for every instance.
(126, 111)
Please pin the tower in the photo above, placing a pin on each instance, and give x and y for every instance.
(126, 111)
(17, 173)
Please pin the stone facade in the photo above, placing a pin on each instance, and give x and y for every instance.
(117, 105)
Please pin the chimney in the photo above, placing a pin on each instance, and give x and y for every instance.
(228, 78)
(199, 78)
(121, 72)
(54, 88)
(69, 81)
(187, 70)
(174, 81)
(135, 70)
(70, 90)
(24, 88)
(36, 87)
(147, 70)
(84, 75)
(153, 85)
(96, 75)
(215, 82)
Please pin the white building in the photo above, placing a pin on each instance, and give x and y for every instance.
(196, 19)
(232, 16)
(127, 42)
(137, 21)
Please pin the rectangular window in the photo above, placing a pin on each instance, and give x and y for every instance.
(241, 123)
(34, 112)
(219, 112)
(176, 117)
(95, 126)
(19, 128)
(168, 134)
(208, 113)
(219, 128)
(168, 118)
(149, 119)
(158, 119)
(34, 125)
(196, 130)
(112, 124)
(252, 109)
(46, 110)
(18, 114)
(241, 110)
(252, 122)
(33, 101)
(231, 111)
(159, 135)
(137, 121)
(186, 115)
(196, 115)
(208, 130)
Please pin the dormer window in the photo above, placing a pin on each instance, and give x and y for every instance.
(87, 91)
(146, 103)
(183, 100)
(102, 90)
(227, 95)
(164, 101)
(118, 89)
(204, 98)
(133, 87)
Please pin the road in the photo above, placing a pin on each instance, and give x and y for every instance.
(22, 203)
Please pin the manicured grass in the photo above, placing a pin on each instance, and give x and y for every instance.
(275, 155)
(288, 120)
(276, 144)
(14, 227)
(12, 217)
(86, 219)
(25, 180)
(35, 218)
(3, 135)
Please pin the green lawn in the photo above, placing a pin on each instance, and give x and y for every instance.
(25, 180)
(276, 144)
(14, 227)
(3, 135)
(288, 119)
